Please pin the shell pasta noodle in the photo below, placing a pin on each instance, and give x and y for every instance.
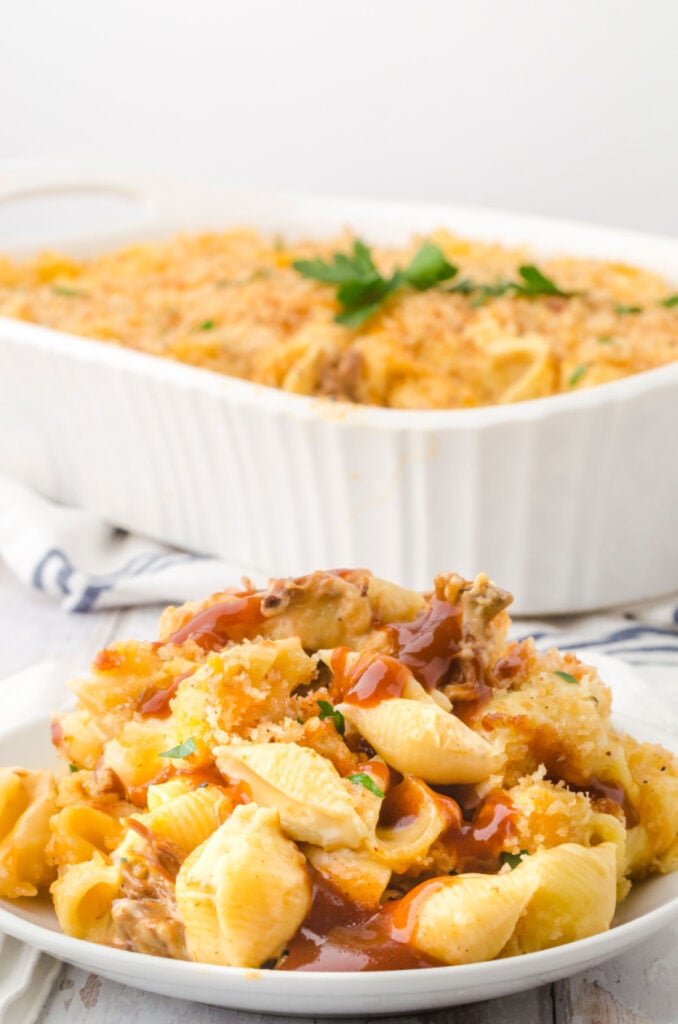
(442, 322)
(336, 773)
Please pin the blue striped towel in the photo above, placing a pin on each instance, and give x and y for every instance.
(86, 565)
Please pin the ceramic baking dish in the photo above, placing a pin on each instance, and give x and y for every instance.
(571, 501)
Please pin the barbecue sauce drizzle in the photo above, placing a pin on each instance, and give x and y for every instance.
(429, 646)
(339, 935)
(228, 621)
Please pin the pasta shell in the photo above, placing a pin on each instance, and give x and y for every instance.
(164, 791)
(466, 918)
(83, 897)
(575, 895)
(521, 368)
(400, 847)
(80, 831)
(186, 821)
(421, 739)
(27, 802)
(244, 892)
(313, 801)
(360, 877)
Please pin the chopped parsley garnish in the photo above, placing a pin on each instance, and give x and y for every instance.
(513, 859)
(73, 768)
(428, 268)
(68, 293)
(300, 720)
(669, 302)
(361, 289)
(183, 750)
(206, 325)
(532, 284)
(577, 375)
(624, 310)
(605, 340)
(479, 294)
(535, 283)
(327, 711)
(362, 779)
(567, 677)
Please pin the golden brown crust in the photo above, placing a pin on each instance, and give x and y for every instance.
(233, 303)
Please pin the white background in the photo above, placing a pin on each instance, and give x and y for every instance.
(567, 108)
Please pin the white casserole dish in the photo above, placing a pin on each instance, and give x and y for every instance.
(570, 502)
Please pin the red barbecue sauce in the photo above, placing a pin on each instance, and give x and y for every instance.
(156, 703)
(608, 799)
(339, 935)
(220, 624)
(56, 733)
(429, 646)
(478, 843)
(233, 620)
(373, 677)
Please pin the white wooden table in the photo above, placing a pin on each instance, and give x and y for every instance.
(638, 988)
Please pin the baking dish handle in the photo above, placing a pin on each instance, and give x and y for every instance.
(98, 197)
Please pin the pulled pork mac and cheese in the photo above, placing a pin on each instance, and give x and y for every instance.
(441, 323)
(336, 773)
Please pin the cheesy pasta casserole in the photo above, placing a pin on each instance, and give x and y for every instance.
(441, 323)
(336, 773)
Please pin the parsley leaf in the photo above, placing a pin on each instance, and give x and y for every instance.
(513, 859)
(183, 750)
(567, 677)
(606, 340)
(624, 310)
(342, 269)
(466, 287)
(69, 293)
(531, 285)
(362, 779)
(206, 325)
(428, 268)
(535, 283)
(327, 711)
(577, 375)
(73, 768)
(669, 302)
(362, 289)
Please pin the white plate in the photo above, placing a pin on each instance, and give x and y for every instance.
(651, 905)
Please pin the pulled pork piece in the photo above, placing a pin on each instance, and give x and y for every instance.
(455, 637)
(484, 625)
(324, 609)
(145, 918)
(148, 926)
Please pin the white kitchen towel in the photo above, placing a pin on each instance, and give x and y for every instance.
(25, 981)
(87, 564)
